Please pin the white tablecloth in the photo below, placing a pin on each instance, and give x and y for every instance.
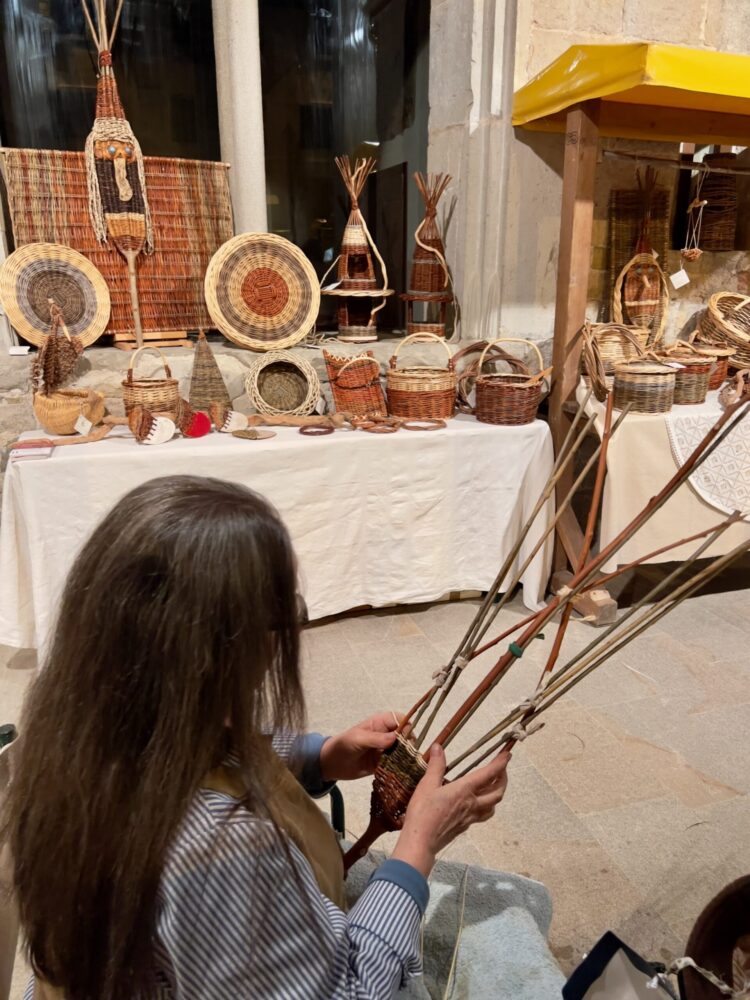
(639, 464)
(375, 519)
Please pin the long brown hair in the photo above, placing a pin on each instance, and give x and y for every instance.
(179, 614)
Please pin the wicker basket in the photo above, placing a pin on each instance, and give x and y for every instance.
(159, 395)
(726, 323)
(720, 355)
(467, 375)
(424, 392)
(508, 397)
(59, 411)
(648, 386)
(355, 384)
(617, 342)
(281, 383)
(641, 295)
(693, 375)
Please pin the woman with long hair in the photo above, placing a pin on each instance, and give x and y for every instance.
(160, 846)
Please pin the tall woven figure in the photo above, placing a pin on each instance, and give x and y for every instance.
(207, 384)
(356, 279)
(429, 281)
(118, 205)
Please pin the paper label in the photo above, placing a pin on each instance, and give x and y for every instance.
(82, 425)
(680, 278)
(674, 364)
(320, 406)
(330, 288)
(19, 350)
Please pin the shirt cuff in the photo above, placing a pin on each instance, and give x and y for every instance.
(305, 761)
(407, 877)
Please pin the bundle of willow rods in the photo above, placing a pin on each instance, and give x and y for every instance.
(399, 772)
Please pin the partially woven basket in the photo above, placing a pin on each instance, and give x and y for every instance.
(59, 411)
(726, 323)
(508, 398)
(159, 395)
(282, 383)
(647, 385)
(641, 296)
(618, 342)
(423, 392)
(355, 384)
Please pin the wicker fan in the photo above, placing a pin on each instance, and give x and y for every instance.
(40, 275)
(118, 205)
(262, 292)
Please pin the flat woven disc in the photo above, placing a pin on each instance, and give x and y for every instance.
(262, 292)
(38, 272)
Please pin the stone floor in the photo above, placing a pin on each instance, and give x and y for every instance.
(632, 804)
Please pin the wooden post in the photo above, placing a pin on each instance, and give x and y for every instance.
(573, 266)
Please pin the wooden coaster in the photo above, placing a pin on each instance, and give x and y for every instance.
(253, 434)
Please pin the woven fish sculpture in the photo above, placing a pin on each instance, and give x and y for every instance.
(118, 202)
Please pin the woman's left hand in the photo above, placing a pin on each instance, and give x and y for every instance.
(355, 753)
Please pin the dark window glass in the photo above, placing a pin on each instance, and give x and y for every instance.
(164, 65)
(345, 77)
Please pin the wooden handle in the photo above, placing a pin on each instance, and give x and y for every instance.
(283, 420)
(351, 361)
(130, 256)
(357, 851)
(424, 338)
(134, 357)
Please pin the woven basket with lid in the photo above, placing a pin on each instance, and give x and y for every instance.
(421, 392)
(355, 384)
(647, 385)
(509, 398)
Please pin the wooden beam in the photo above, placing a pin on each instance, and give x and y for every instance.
(573, 266)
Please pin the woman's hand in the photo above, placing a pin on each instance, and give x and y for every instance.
(438, 813)
(355, 753)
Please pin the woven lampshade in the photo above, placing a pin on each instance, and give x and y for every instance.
(262, 292)
(38, 272)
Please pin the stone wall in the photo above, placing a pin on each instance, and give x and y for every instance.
(503, 208)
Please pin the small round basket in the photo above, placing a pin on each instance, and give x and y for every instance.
(508, 398)
(262, 292)
(726, 323)
(281, 383)
(59, 411)
(355, 384)
(39, 272)
(647, 385)
(721, 356)
(423, 392)
(467, 373)
(159, 395)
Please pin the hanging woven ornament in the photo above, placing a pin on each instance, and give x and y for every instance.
(118, 205)
(206, 383)
(57, 356)
(692, 251)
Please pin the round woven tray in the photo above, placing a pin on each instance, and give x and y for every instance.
(280, 383)
(262, 292)
(38, 272)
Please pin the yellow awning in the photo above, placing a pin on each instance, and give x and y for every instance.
(660, 92)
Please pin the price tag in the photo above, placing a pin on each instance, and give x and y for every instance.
(320, 406)
(82, 425)
(330, 288)
(19, 351)
(680, 278)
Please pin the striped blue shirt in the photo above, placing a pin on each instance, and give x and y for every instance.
(234, 921)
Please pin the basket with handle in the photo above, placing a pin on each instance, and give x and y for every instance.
(59, 411)
(641, 295)
(509, 398)
(467, 374)
(726, 323)
(647, 385)
(721, 355)
(693, 375)
(421, 392)
(618, 342)
(355, 384)
(159, 395)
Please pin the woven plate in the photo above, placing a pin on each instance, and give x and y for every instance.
(262, 292)
(37, 272)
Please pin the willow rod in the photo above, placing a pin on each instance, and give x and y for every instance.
(716, 434)
(602, 637)
(564, 456)
(566, 682)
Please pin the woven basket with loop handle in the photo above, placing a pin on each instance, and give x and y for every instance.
(509, 397)
(282, 383)
(468, 373)
(159, 395)
(421, 392)
(606, 345)
(726, 323)
(355, 384)
(693, 375)
(721, 355)
(641, 295)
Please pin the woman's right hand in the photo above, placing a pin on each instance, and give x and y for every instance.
(438, 813)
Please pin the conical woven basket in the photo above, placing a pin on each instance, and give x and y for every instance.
(207, 384)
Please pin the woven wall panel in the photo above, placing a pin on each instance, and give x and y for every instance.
(192, 217)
